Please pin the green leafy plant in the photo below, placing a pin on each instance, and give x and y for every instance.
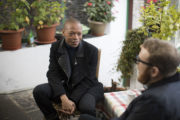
(47, 12)
(130, 49)
(178, 69)
(14, 14)
(160, 20)
(99, 10)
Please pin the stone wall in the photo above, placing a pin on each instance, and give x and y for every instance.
(75, 9)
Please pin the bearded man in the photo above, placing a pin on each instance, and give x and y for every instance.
(157, 65)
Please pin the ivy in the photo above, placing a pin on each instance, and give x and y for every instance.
(131, 48)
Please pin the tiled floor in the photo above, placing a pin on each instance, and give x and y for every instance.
(20, 106)
(24, 100)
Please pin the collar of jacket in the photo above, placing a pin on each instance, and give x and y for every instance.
(174, 78)
(80, 50)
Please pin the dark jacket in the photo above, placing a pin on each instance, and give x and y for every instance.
(79, 80)
(161, 101)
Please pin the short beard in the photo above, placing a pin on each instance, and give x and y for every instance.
(145, 77)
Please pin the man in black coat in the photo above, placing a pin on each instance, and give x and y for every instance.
(71, 76)
(157, 65)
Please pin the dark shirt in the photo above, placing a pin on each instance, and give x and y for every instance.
(73, 62)
(72, 54)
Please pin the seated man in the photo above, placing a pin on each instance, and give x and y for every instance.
(157, 63)
(71, 76)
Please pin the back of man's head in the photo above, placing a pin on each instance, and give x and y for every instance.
(163, 55)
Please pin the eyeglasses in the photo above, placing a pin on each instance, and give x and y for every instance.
(137, 60)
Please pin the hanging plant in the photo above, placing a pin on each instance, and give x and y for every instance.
(129, 51)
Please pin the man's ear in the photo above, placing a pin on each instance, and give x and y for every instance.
(155, 71)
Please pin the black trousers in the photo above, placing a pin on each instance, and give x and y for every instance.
(87, 117)
(43, 96)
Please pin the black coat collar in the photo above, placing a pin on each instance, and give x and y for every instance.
(80, 50)
(64, 60)
(167, 80)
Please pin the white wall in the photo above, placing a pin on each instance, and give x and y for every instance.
(111, 44)
(25, 68)
(134, 83)
(137, 4)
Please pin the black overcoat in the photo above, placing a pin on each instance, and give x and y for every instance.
(82, 79)
(161, 101)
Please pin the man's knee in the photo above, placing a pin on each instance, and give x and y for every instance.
(37, 90)
(86, 108)
(40, 90)
(87, 104)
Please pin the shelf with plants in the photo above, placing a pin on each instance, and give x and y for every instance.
(14, 18)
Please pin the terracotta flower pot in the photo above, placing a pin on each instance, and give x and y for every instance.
(46, 34)
(11, 39)
(97, 28)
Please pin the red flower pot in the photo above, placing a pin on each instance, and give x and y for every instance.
(11, 39)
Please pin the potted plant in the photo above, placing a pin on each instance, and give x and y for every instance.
(160, 19)
(46, 16)
(99, 13)
(14, 17)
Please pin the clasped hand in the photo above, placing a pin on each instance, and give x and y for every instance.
(68, 106)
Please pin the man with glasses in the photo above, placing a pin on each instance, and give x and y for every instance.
(157, 66)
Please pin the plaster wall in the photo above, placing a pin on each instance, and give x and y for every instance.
(25, 68)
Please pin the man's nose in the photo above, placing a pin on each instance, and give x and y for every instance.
(75, 36)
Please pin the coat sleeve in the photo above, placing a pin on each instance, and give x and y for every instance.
(54, 75)
(92, 55)
(144, 109)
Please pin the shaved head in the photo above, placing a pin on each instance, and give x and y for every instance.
(71, 21)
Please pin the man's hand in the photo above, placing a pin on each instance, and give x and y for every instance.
(68, 106)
